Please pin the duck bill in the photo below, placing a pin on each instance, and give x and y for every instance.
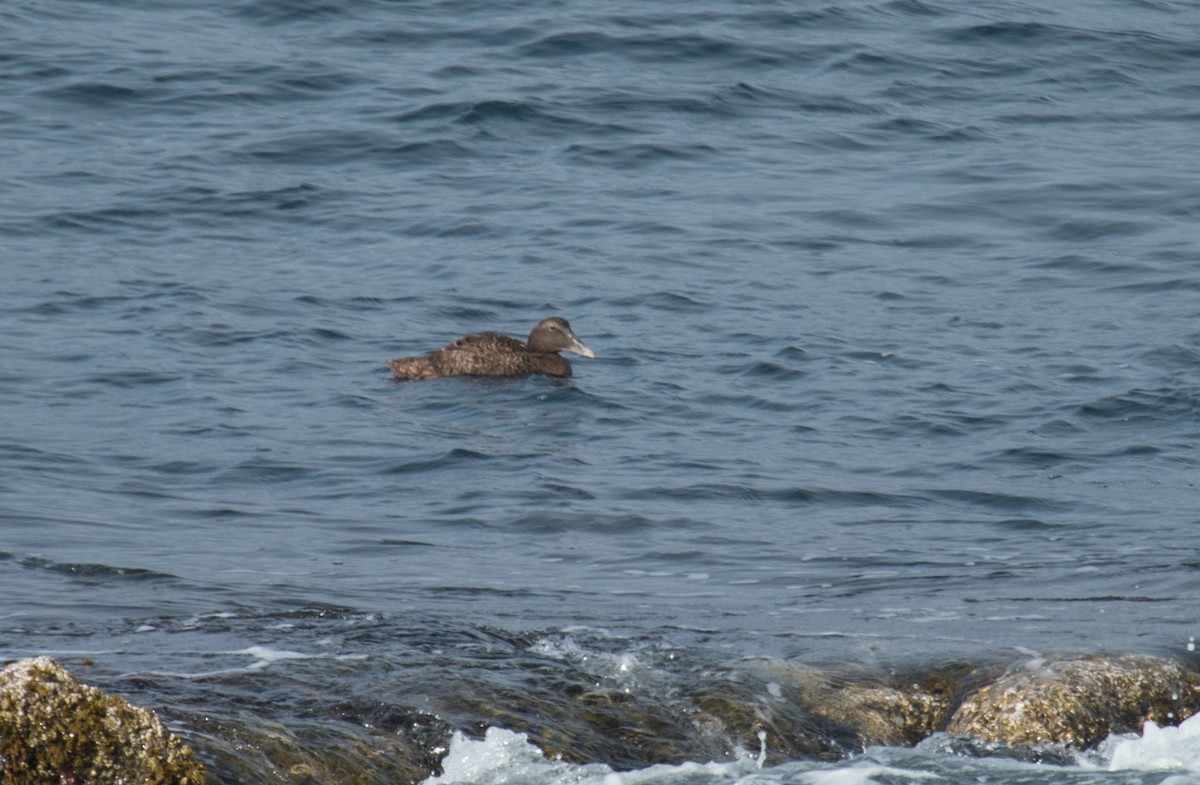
(579, 347)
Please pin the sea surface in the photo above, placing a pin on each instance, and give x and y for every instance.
(896, 308)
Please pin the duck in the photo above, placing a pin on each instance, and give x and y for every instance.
(495, 354)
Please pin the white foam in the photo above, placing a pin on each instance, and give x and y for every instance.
(266, 655)
(1156, 749)
(503, 757)
(862, 773)
(621, 669)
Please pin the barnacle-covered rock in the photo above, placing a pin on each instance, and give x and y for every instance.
(55, 730)
(889, 709)
(1079, 701)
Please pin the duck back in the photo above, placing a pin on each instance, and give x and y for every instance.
(480, 354)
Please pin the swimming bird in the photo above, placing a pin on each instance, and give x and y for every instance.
(493, 354)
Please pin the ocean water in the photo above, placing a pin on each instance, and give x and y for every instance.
(896, 308)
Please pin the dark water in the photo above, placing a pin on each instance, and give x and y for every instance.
(897, 309)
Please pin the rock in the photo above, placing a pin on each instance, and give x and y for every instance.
(1078, 702)
(54, 730)
(885, 714)
(893, 710)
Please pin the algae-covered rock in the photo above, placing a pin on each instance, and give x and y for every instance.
(1078, 702)
(54, 730)
(886, 714)
(346, 749)
(769, 717)
(895, 710)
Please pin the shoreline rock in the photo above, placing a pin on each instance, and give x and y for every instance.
(1078, 701)
(1071, 701)
(55, 730)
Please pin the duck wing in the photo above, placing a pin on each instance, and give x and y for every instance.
(477, 354)
(485, 343)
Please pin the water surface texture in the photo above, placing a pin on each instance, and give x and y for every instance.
(896, 308)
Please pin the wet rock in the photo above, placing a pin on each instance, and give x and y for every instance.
(580, 724)
(885, 714)
(1078, 702)
(966, 747)
(320, 752)
(573, 716)
(894, 709)
(768, 716)
(54, 730)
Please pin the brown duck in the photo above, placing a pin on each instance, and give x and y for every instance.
(493, 354)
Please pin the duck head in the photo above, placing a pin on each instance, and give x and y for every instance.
(555, 335)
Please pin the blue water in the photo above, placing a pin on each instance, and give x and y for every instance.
(896, 308)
